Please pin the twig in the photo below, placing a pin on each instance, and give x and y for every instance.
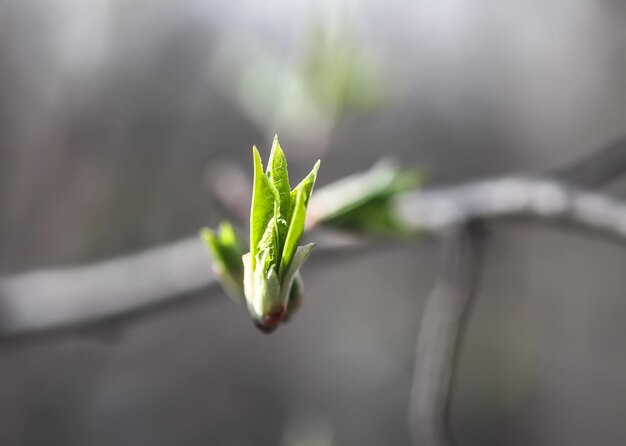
(597, 169)
(64, 296)
(55, 297)
(436, 211)
(59, 297)
(443, 318)
(446, 309)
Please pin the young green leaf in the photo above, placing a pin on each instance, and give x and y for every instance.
(364, 202)
(268, 272)
(296, 228)
(277, 173)
(351, 192)
(212, 241)
(226, 248)
(264, 196)
(269, 242)
(306, 185)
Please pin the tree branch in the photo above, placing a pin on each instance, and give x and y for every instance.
(436, 211)
(58, 297)
(597, 169)
(443, 320)
(446, 309)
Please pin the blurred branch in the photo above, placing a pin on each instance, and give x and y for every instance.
(596, 169)
(436, 211)
(443, 318)
(57, 297)
(60, 296)
(460, 210)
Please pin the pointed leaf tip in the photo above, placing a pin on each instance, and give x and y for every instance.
(306, 185)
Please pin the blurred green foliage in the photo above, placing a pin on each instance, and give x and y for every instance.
(339, 74)
(332, 73)
(364, 202)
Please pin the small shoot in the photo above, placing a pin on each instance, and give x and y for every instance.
(277, 219)
(226, 248)
(267, 278)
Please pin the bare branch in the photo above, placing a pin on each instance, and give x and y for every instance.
(597, 169)
(436, 211)
(50, 298)
(55, 297)
(443, 317)
(446, 309)
(58, 297)
(63, 296)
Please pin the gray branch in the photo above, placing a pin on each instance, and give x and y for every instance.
(52, 298)
(596, 169)
(443, 317)
(58, 297)
(436, 211)
(446, 308)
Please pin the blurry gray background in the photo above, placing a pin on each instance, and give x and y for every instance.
(112, 113)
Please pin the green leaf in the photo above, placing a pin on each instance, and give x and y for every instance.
(364, 202)
(235, 246)
(376, 216)
(226, 249)
(264, 196)
(269, 242)
(300, 197)
(352, 191)
(296, 228)
(210, 238)
(306, 185)
(225, 246)
(277, 173)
